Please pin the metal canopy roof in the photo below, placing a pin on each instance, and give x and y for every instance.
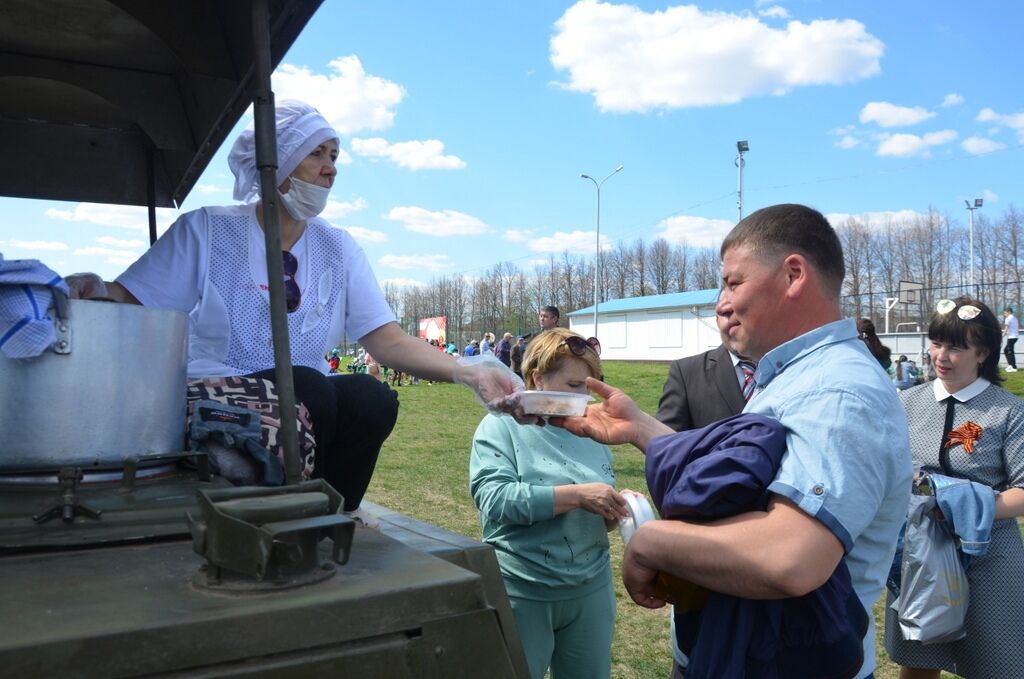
(95, 93)
(708, 297)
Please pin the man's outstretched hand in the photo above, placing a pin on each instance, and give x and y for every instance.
(616, 419)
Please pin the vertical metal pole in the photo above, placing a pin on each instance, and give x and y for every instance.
(266, 161)
(970, 213)
(151, 193)
(597, 258)
(739, 186)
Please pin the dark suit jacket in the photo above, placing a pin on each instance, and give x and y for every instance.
(700, 390)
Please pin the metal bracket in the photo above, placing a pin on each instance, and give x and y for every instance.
(61, 322)
(69, 506)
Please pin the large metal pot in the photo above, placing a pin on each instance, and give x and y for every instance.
(112, 387)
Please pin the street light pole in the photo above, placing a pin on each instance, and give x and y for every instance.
(970, 211)
(741, 148)
(597, 247)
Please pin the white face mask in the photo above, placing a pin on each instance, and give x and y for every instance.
(304, 200)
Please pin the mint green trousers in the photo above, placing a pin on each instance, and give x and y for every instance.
(573, 637)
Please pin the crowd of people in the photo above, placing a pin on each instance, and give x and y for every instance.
(789, 577)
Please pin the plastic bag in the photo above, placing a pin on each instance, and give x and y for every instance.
(932, 605)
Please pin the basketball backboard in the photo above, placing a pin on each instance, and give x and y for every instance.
(910, 292)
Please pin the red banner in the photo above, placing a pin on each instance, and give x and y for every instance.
(435, 328)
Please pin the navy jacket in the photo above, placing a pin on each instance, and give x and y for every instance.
(719, 471)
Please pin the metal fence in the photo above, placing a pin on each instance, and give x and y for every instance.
(890, 317)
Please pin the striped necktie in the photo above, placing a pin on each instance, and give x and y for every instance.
(748, 368)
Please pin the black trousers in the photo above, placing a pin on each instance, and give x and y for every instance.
(352, 417)
(1010, 352)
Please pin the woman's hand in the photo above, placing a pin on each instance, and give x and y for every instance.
(85, 286)
(596, 498)
(496, 386)
(617, 419)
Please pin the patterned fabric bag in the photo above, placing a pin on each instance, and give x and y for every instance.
(259, 395)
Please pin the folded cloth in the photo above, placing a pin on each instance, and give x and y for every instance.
(26, 287)
(231, 435)
(722, 470)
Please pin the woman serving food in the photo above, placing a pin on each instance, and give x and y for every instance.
(210, 264)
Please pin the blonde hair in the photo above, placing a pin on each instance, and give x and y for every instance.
(547, 352)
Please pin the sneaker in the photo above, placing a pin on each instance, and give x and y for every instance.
(363, 519)
(1010, 369)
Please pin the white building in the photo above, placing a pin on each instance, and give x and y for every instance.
(652, 328)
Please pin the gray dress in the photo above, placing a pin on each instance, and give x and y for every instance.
(994, 645)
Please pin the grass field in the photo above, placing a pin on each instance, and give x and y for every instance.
(423, 472)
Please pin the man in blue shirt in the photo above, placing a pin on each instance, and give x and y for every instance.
(844, 482)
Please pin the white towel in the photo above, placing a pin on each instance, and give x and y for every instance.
(25, 296)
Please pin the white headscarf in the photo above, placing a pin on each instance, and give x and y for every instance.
(300, 129)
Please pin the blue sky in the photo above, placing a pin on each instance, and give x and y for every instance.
(465, 125)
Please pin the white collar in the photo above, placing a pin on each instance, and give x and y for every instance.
(964, 395)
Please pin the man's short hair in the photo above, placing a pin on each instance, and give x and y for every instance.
(1009, 308)
(553, 310)
(781, 230)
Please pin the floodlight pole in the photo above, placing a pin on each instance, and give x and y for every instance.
(978, 202)
(741, 148)
(597, 247)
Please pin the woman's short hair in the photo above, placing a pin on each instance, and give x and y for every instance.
(982, 331)
(547, 352)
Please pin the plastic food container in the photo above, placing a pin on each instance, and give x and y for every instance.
(685, 596)
(640, 511)
(560, 403)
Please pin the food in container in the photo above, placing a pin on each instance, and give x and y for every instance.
(558, 403)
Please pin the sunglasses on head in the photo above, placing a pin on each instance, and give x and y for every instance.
(292, 294)
(966, 312)
(578, 345)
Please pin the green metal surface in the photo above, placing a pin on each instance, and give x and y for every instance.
(131, 611)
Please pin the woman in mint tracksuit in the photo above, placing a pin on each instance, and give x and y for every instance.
(546, 502)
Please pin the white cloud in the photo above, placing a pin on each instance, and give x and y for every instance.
(48, 246)
(848, 142)
(990, 196)
(952, 99)
(336, 209)
(212, 188)
(576, 242)
(110, 255)
(119, 243)
(694, 231)
(403, 282)
(443, 223)
(364, 235)
(774, 12)
(1012, 120)
(347, 96)
(913, 145)
(891, 115)
(874, 219)
(428, 262)
(978, 145)
(120, 216)
(518, 235)
(412, 155)
(636, 61)
(845, 129)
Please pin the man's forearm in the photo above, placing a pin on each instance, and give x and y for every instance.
(758, 555)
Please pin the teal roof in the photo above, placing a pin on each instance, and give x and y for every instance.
(673, 299)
